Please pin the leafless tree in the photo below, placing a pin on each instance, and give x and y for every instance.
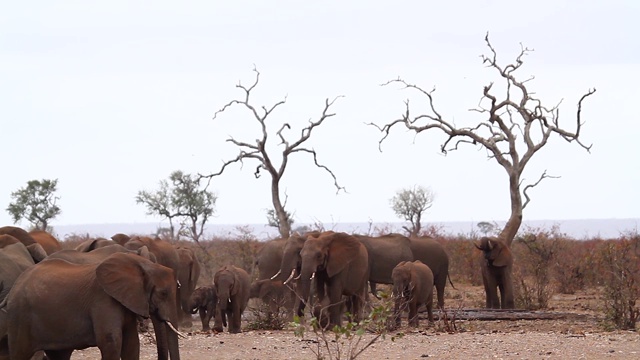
(512, 130)
(257, 150)
(410, 204)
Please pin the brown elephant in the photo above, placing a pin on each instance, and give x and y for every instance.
(275, 295)
(121, 238)
(188, 275)
(269, 258)
(92, 244)
(339, 264)
(57, 307)
(232, 288)
(385, 252)
(165, 254)
(37, 252)
(497, 268)
(204, 300)
(432, 254)
(98, 255)
(412, 288)
(48, 242)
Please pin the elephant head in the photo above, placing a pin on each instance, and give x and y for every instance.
(147, 289)
(496, 252)
(188, 275)
(92, 244)
(291, 260)
(226, 282)
(403, 279)
(201, 296)
(121, 238)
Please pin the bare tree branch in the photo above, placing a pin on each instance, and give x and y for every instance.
(512, 128)
(257, 150)
(524, 191)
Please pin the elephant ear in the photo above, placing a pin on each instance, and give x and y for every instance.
(342, 249)
(121, 276)
(37, 252)
(87, 245)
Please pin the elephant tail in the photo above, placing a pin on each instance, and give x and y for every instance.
(449, 277)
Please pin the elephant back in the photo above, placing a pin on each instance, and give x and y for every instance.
(48, 242)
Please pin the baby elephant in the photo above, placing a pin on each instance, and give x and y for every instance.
(275, 295)
(204, 300)
(412, 287)
(232, 287)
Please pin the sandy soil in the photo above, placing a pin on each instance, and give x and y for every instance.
(579, 337)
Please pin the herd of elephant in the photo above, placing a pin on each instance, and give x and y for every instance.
(54, 301)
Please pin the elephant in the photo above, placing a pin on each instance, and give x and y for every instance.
(232, 288)
(48, 242)
(269, 258)
(98, 255)
(14, 259)
(37, 252)
(275, 294)
(432, 254)
(339, 264)
(165, 254)
(385, 252)
(204, 301)
(291, 259)
(188, 275)
(497, 269)
(121, 238)
(58, 307)
(92, 244)
(412, 287)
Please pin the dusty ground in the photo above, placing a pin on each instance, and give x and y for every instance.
(580, 336)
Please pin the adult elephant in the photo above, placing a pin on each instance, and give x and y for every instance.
(385, 252)
(58, 307)
(165, 254)
(432, 254)
(98, 255)
(188, 275)
(269, 258)
(275, 295)
(497, 275)
(232, 288)
(121, 238)
(37, 252)
(339, 264)
(291, 259)
(48, 242)
(92, 244)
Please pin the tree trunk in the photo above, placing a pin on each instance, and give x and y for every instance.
(512, 226)
(283, 221)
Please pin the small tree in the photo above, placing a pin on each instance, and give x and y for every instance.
(35, 203)
(182, 199)
(410, 204)
(511, 129)
(273, 221)
(257, 149)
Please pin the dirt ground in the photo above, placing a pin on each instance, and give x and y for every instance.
(579, 335)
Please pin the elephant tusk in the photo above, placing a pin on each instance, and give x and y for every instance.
(293, 272)
(175, 330)
(179, 285)
(312, 276)
(276, 275)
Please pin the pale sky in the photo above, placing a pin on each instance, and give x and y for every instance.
(111, 97)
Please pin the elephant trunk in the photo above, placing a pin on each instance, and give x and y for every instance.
(166, 339)
(307, 273)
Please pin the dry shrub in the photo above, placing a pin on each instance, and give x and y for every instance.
(464, 260)
(620, 260)
(262, 318)
(536, 253)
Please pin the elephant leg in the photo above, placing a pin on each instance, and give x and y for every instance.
(429, 305)
(236, 318)
(413, 313)
(56, 354)
(130, 342)
(439, 283)
(218, 323)
(205, 317)
(335, 306)
(374, 291)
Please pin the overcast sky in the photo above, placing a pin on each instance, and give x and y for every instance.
(111, 97)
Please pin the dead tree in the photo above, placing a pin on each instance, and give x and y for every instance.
(257, 150)
(512, 129)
